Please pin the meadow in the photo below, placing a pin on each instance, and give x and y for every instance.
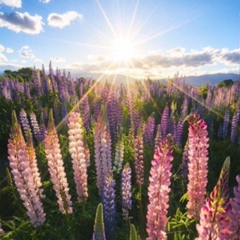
(87, 159)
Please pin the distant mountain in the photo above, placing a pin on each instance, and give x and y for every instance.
(211, 78)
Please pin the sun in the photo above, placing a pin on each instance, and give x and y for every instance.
(123, 49)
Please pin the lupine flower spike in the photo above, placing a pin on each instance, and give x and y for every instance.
(56, 168)
(109, 205)
(99, 228)
(197, 165)
(126, 190)
(214, 215)
(158, 190)
(25, 173)
(76, 148)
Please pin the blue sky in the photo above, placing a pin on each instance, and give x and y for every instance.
(140, 39)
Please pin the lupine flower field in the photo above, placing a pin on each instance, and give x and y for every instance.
(87, 159)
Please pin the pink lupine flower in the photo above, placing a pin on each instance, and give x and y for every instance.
(235, 211)
(56, 168)
(76, 148)
(215, 214)
(197, 165)
(158, 190)
(1, 230)
(25, 173)
(102, 146)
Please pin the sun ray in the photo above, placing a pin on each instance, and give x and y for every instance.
(107, 20)
(133, 20)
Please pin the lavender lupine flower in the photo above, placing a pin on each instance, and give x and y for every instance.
(198, 164)
(158, 190)
(226, 123)
(109, 206)
(96, 107)
(27, 90)
(102, 146)
(179, 132)
(24, 122)
(184, 166)
(126, 190)
(234, 127)
(149, 131)
(157, 138)
(138, 159)
(42, 128)
(35, 126)
(165, 122)
(56, 168)
(235, 211)
(85, 112)
(215, 214)
(76, 148)
(25, 173)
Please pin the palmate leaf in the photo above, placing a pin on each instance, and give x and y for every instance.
(99, 228)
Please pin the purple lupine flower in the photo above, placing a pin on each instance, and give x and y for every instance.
(35, 126)
(138, 159)
(56, 168)
(198, 164)
(76, 148)
(109, 205)
(179, 132)
(102, 146)
(42, 128)
(215, 213)
(235, 211)
(185, 107)
(165, 122)
(24, 122)
(184, 165)
(96, 108)
(25, 174)
(149, 131)
(126, 190)
(27, 90)
(220, 131)
(158, 190)
(157, 138)
(226, 123)
(85, 112)
(234, 127)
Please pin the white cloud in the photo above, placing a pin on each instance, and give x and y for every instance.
(2, 57)
(63, 20)
(9, 50)
(12, 3)
(26, 52)
(58, 60)
(21, 22)
(2, 48)
(45, 1)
